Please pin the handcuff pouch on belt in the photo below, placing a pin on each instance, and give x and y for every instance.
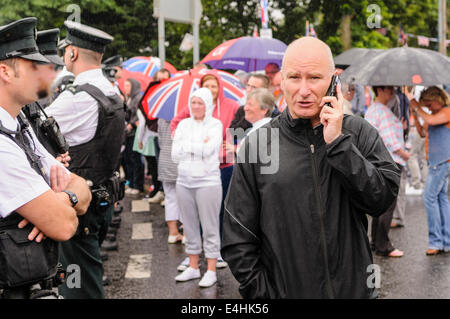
(103, 197)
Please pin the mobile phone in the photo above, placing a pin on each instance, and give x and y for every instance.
(332, 88)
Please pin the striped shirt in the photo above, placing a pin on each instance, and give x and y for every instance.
(389, 127)
(167, 169)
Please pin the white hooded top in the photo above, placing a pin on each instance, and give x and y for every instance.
(198, 162)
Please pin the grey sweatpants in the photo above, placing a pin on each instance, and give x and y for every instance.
(201, 206)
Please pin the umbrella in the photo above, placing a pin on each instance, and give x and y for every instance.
(147, 65)
(246, 53)
(169, 97)
(401, 66)
(143, 79)
(351, 56)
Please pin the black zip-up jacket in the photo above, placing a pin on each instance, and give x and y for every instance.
(301, 232)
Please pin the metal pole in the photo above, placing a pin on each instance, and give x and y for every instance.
(161, 40)
(442, 27)
(196, 46)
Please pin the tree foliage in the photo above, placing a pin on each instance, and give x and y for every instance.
(135, 30)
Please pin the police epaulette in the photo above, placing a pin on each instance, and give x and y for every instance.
(72, 88)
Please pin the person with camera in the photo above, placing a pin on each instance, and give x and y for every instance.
(92, 119)
(40, 199)
(436, 130)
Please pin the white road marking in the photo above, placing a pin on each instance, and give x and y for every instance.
(139, 266)
(140, 206)
(142, 231)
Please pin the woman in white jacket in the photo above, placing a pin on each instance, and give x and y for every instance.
(196, 147)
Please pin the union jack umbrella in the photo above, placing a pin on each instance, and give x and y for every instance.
(169, 97)
(147, 65)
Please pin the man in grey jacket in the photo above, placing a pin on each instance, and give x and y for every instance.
(301, 230)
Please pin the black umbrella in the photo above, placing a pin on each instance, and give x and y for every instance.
(401, 66)
(351, 56)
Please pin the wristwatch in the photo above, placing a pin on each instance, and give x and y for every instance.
(73, 198)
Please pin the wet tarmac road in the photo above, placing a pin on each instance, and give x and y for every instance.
(145, 268)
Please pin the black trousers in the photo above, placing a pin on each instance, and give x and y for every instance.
(134, 168)
(381, 225)
(152, 165)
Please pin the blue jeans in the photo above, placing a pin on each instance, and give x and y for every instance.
(436, 203)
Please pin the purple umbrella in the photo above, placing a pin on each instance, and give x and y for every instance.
(246, 53)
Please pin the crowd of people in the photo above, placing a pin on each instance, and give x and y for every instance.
(195, 200)
(341, 157)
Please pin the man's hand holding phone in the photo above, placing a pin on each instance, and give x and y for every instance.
(332, 114)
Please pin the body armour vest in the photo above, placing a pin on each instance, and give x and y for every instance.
(97, 159)
(24, 262)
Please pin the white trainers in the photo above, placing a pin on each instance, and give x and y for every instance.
(189, 274)
(209, 279)
(158, 198)
(221, 263)
(184, 264)
(163, 203)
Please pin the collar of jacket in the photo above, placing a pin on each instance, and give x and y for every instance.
(295, 124)
(302, 128)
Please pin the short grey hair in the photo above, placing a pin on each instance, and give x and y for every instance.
(265, 80)
(264, 98)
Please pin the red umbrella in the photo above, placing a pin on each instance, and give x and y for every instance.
(166, 99)
(143, 79)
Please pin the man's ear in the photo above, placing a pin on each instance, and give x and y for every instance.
(74, 54)
(6, 72)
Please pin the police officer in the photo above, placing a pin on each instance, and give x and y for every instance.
(39, 198)
(91, 117)
(112, 67)
(46, 128)
(47, 42)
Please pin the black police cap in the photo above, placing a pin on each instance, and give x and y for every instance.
(18, 40)
(115, 60)
(85, 37)
(47, 42)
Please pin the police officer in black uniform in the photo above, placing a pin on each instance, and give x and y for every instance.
(90, 115)
(111, 67)
(46, 128)
(39, 198)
